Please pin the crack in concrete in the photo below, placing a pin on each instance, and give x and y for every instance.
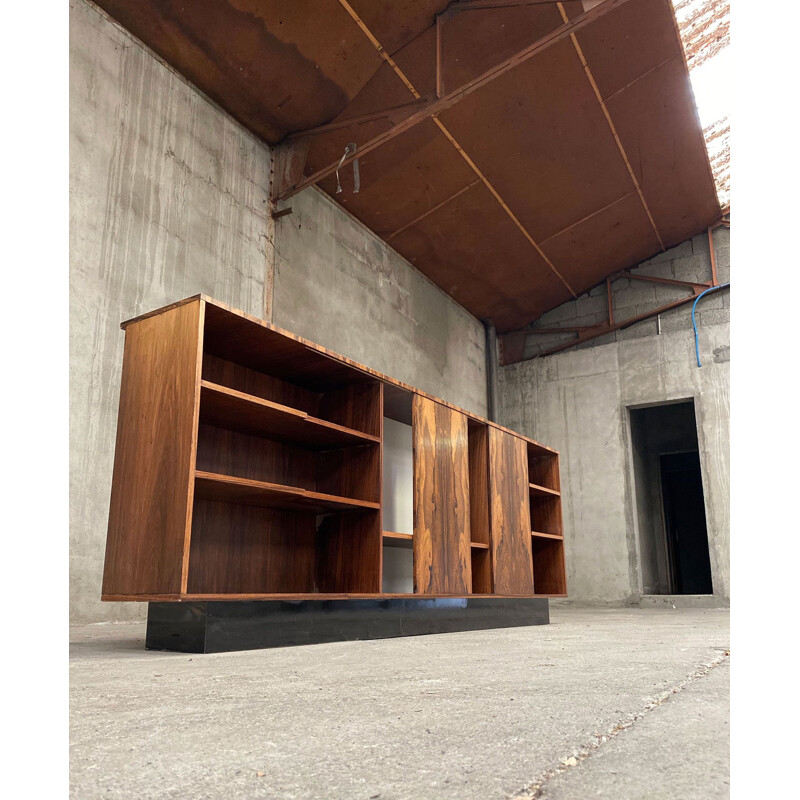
(533, 791)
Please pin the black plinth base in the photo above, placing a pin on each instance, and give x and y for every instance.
(219, 627)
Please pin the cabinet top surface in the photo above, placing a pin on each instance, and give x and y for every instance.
(385, 379)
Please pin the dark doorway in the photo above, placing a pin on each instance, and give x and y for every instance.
(685, 523)
(673, 540)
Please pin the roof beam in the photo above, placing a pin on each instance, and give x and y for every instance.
(450, 99)
(587, 69)
(449, 136)
(478, 5)
(386, 113)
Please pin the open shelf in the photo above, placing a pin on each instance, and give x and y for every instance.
(353, 406)
(351, 472)
(398, 563)
(392, 539)
(481, 564)
(543, 472)
(549, 573)
(232, 337)
(543, 491)
(243, 491)
(547, 528)
(478, 465)
(479, 545)
(233, 410)
(546, 514)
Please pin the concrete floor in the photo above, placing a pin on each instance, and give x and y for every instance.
(620, 704)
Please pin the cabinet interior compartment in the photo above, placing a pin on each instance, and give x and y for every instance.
(398, 504)
(351, 473)
(480, 555)
(246, 549)
(546, 515)
(241, 354)
(543, 468)
(549, 574)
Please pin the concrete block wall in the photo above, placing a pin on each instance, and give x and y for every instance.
(168, 198)
(577, 401)
(688, 261)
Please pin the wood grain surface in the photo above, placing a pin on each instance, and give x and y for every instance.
(546, 514)
(237, 548)
(549, 570)
(510, 514)
(479, 482)
(244, 491)
(441, 499)
(218, 310)
(291, 431)
(349, 552)
(228, 408)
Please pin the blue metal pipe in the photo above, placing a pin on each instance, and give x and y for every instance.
(694, 322)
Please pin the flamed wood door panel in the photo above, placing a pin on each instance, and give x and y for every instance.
(441, 499)
(510, 514)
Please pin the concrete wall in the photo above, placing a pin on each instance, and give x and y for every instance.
(577, 401)
(339, 285)
(168, 198)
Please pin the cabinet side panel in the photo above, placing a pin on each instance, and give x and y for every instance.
(441, 500)
(151, 491)
(510, 514)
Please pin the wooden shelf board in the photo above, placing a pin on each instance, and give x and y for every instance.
(238, 597)
(547, 535)
(543, 491)
(229, 489)
(227, 408)
(402, 540)
(216, 310)
(479, 545)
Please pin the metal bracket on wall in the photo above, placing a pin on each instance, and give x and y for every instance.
(288, 161)
(350, 149)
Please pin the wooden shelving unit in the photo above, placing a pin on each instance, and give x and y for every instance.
(248, 464)
(547, 527)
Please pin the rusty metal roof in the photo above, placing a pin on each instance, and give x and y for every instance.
(528, 148)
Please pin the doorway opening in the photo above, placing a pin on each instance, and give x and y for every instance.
(673, 539)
